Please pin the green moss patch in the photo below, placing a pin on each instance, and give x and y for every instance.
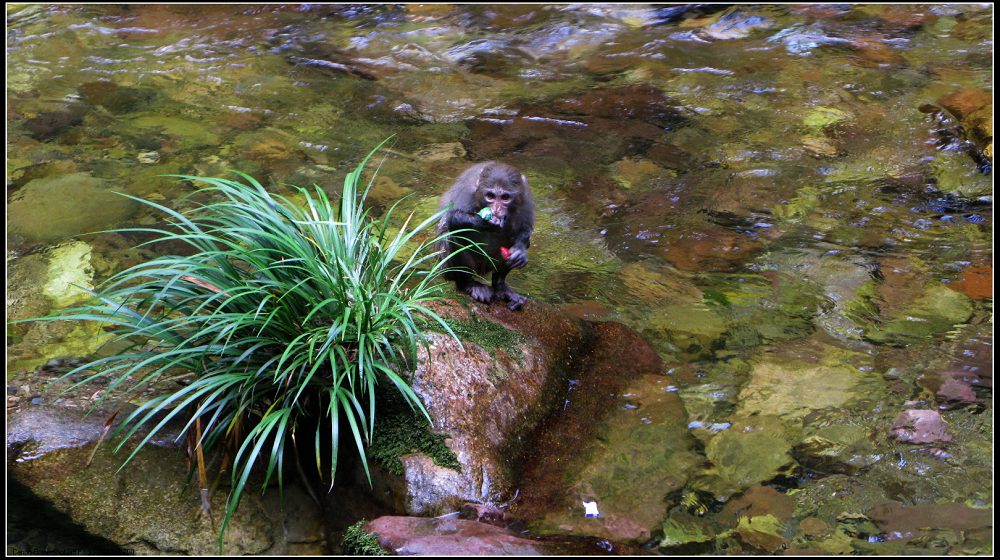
(491, 336)
(358, 542)
(400, 431)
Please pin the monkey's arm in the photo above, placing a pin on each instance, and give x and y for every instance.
(519, 249)
(458, 219)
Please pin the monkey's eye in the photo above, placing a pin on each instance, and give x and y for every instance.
(505, 197)
(490, 195)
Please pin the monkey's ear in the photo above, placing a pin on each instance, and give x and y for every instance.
(524, 180)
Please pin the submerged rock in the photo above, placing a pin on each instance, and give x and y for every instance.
(791, 389)
(758, 501)
(53, 208)
(188, 134)
(736, 23)
(956, 173)
(974, 110)
(642, 454)
(837, 449)
(914, 521)
(70, 273)
(937, 311)
(752, 451)
(920, 426)
(976, 281)
(48, 125)
(115, 98)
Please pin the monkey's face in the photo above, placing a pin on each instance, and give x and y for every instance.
(501, 188)
(501, 202)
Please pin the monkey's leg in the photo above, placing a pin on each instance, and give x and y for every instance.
(476, 290)
(503, 292)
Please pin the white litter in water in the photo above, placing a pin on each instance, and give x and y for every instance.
(590, 509)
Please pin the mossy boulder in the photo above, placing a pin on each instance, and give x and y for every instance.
(485, 394)
(149, 506)
(51, 209)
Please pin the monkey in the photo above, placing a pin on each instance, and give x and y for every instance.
(503, 231)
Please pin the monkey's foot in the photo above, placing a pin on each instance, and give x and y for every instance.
(479, 292)
(515, 301)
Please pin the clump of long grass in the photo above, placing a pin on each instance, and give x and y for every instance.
(282, 315)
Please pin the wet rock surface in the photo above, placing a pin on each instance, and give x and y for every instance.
(149, 507)
(920, 426)
(531, 428)
(408, 536)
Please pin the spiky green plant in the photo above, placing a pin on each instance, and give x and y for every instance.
(283, 314)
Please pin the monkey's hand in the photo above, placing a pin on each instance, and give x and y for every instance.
(518, 257)
(458, 220)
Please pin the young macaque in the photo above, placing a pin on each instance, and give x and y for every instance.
(493, 203)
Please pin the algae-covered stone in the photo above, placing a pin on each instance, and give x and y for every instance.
(634, 172)
(791, 389)
(819, 146)
(385, 191)
(690, 328)
(649, 284)
(837, 448)
(683, 529)
(70, 273)
(956, 173)
(188, 134)
(763, 532)
(822, 117)
(54, 208)
(937, 311)
(752, 451)
(642, 454)
(842, 287)
(440, 152)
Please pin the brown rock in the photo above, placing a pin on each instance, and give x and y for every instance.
(976, 281)
(954, 391)
(815, 527)
(965, 102)
(485, 513)
(710, 250)
(902, 521)
(759, 500)
(952, 388)
(920, 426)
(489, 401)
(448, 537)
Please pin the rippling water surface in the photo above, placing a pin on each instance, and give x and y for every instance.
(792, 203)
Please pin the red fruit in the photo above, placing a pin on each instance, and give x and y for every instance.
(505, 252)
